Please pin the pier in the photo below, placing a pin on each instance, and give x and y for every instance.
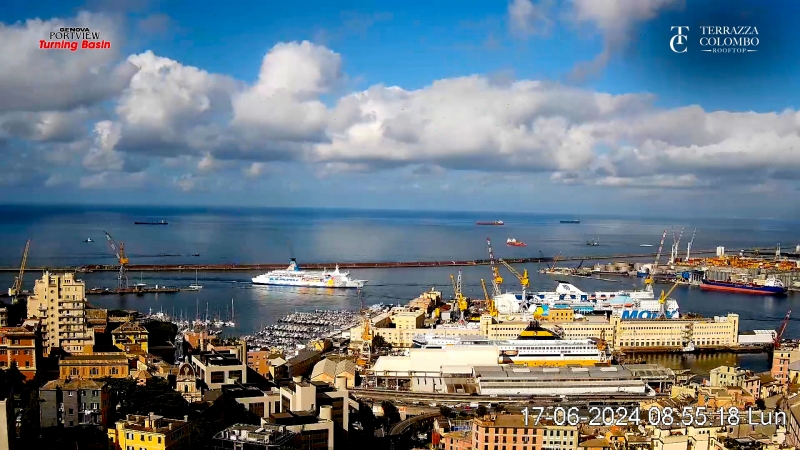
(343, 265)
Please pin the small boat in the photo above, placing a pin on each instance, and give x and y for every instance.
(195, 286)
(495, 223)
(88, 240)
(515, 243)
(592, 243)
(571, 221)
(160, 222)
(195, 254)
(645, 245)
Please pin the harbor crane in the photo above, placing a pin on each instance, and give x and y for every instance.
(497, 280)
(779, 335)
(689, 245)
(675, 244)
(463, 304)
(523, 278)
(365, 356)
(490, 308)
(16, 289)
(662, 300)
(119, 252)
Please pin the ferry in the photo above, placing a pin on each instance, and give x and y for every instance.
(536, 346)
(294, 276)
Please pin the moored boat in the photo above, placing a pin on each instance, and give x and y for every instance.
(772, 286)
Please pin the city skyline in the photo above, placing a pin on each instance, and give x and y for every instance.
(532, 106)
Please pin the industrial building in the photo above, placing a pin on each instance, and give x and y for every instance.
(541, 381)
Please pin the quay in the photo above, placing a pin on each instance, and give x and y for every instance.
(342, 265)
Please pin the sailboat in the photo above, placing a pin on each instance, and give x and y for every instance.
(195, 286)
(141, 283)
(231, 323)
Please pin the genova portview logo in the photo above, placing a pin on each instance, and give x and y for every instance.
(716, 39)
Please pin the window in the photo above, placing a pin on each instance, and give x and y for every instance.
(159, 440)
(217, 377)
(114, 371)
(70, 410)
(94, 371)
(74, 371)
(71, 394)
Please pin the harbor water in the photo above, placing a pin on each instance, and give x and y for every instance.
(271, 236)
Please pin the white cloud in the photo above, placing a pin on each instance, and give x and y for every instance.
(114, 180)
(529, 18)
(102, 156)
(34, 79)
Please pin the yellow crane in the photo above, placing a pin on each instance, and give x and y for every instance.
(523, 278)
(490, 308)
(463, 304)
(662, 301)
(497, 280)
(119, 252)
(365, 355)
(16, 289)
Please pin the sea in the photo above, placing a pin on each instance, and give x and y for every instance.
(250, 236)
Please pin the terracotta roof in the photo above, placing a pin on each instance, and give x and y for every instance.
(72, 385)
(129, 327)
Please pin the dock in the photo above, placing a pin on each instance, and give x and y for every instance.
(342, 265)
(132, 290)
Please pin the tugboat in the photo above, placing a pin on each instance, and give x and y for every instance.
(515, 243)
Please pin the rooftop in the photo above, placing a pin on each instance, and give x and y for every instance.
(16, 331)
(214, 358)
(552, 373)
(130, 327)
(241, 391)
(333, 367)
(255, 434)
(302, 356)
(72, 385)
(92, 357)
(152, 423)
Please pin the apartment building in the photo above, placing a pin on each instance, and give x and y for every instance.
(71, 403)
(94, 365)
(513, 432)
(130, 337)
(150, 432)
(22, 345)
(219, 368)
(59, 301)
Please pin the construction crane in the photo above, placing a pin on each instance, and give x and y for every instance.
(490, 308)
(523, 278)
(119, 252)
(365, 356)
(779, 335)
(660, 248)
(497, 280)
(689, 245)
(463, 304)
(675, 245)
(662, 301)
(16, 289)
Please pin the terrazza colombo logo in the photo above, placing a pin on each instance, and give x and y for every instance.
(73, 39)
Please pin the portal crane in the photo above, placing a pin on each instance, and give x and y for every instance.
(16, 289)
(662, 301)
(779, 335)
(523, 278)
(463, 304)
(497, 280)
(674, 253)
(660, 248)
(689, 245)
(119, 252)
(365, 356)
(490, 308)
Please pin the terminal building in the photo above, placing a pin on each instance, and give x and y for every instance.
(542, 381)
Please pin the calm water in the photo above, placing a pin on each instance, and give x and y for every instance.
(270, 236)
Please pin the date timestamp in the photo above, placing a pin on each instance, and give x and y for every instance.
(698, 416)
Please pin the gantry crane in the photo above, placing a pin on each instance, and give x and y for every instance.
(490, 308)
(497, 280)
(463, 304)
(122, 259)
(365, 355)
(523, 278)
(16, 289)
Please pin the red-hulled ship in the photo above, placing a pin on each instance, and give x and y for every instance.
(515, 243)
(495, 223)
(772, 286)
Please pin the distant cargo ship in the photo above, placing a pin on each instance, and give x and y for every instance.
(293, 276)
(571, 221)
(772, 286)
(152, 222)
(495, 223)
(515, 243)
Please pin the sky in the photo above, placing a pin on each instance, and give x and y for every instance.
(534, 106)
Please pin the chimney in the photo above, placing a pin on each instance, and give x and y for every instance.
(297, 379)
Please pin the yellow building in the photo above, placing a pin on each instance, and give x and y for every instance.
(94, 365)
(409, 320)
(130, 337)
(59, 302)
(149, 432)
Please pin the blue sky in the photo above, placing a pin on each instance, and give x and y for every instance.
(548, 154)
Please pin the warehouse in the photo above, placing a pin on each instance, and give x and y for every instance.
(542, 381)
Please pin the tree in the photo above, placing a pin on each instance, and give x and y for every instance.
(760, 404)
(390, 412)
(379, 343)
(481, 411)
(445, 411)
(29, 428)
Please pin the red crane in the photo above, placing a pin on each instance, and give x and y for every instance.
(779, 335)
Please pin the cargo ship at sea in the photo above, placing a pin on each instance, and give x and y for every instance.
(152, 222)
(496, 223)
(771, 286)
(571, 221)
(294, 276)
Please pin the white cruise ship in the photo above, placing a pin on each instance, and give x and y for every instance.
(293, 276)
